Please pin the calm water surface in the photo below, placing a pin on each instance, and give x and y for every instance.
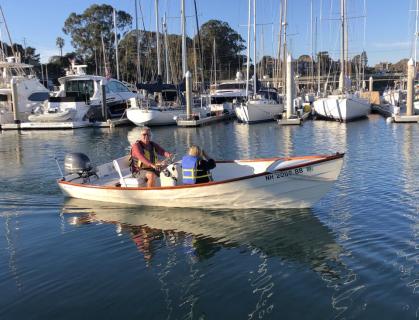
(354, 255)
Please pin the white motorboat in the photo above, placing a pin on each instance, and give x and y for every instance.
(266, 105)
(296, 182)
(30, 92)
(345, 107)
(225, 94)
(80, 98)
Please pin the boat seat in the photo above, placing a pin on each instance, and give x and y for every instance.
(121, 165)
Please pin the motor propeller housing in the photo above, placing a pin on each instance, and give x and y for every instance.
(78, 163)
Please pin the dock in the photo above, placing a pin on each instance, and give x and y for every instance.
(63, 125)
(296, 120)
(203, 121)
(406, 119)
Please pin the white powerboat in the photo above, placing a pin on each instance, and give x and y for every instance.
(79, 99)
(295, 182)
(30, 92)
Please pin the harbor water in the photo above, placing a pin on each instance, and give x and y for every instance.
(354, 255)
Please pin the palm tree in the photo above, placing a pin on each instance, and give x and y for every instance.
(60, 44)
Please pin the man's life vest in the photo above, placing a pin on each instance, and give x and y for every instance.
(136, 165)
(191, 173)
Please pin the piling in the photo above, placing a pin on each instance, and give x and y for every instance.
(291, 118)
(371, 83)
(290, 87)
(410, 87)
(188, 78)
(104, 104)
(15, 101)
(409, 117)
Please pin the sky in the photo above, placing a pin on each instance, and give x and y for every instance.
(383, 28)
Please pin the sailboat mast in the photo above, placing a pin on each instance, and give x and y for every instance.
(342, 46)
(215, 62)
(248, 49)
(312, 46)
(166, 50)
(183, 26)
(416, 30)
(284, 49)
(156, 7)
(137, 35)
(254, 46)
(116, 44)
(278, 62)
(8, 33)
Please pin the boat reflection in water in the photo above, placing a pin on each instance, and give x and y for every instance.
(268, 242)
(295, 233)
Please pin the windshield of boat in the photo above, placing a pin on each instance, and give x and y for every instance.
(77, 88)
(230, 86)
(115, 87)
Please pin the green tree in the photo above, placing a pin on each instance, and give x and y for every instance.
(60, 44)
(229, 45)
(148, 56)
(87, 29)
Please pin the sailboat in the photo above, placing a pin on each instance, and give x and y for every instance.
(343, 106)
(265, 104)
(170, 104)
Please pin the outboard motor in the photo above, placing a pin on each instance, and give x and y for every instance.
(78, 163)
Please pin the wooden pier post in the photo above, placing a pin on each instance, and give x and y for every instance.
(104, 105)
(290, 87)
(188, 78)
(291, 119)
(15, 101)
(409, 116)
(410, 87)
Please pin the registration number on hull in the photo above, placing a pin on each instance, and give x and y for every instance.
(287, 173)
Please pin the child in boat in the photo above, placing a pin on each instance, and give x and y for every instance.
(196, 166)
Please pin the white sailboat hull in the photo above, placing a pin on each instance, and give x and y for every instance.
(342, 108)
(153, 116)
(293, 183)
(254, 111)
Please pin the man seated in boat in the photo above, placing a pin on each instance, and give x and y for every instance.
(144, 160)
(196, 166)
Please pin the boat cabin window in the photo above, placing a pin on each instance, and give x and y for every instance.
(115, 86)
(76, 88)
(270, 95)
(38, 96)
(169, 95)
(221, 100)
(230, 86)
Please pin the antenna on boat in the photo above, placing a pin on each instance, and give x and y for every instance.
(59, 168)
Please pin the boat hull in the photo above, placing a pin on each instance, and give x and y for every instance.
(295, 186)
(342, 108)
(258, 112)
(153, 117)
